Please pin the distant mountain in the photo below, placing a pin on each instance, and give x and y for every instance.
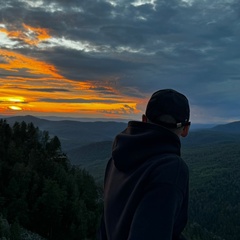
(81, 141)
(233, 127)
(224, 133)
(55, 118)
(60, 118)
(74, 134)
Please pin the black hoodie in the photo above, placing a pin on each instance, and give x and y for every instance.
(146, 186)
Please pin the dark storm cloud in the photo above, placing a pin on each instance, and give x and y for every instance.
(81, 66)
(47, 90)
(188, 45)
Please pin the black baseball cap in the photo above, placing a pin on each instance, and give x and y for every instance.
(168, 102)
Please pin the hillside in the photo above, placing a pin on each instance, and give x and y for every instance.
(41, 191)
(92, 157)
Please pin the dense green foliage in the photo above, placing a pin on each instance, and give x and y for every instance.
(214, 189)
(40, 189)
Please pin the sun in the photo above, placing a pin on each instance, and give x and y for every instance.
(15, 108)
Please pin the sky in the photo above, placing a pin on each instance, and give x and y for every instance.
(105, 58)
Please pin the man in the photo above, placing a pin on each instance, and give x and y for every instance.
(146, 180)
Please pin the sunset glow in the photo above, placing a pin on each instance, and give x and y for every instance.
(104, 59)
(38, 87)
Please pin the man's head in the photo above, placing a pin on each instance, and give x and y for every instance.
(169, 109)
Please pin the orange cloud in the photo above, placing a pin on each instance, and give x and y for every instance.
(113, 110)
(28, 34)
(15, 62)
(35, 35)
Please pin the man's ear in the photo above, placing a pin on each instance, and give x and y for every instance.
(185, 131)
(144, 118)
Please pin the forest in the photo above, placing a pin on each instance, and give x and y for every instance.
(41, 191)
(214, 190)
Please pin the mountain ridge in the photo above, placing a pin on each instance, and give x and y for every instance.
(232, 127)
(78, 137)
(74, 133)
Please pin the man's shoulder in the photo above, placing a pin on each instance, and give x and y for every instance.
(168, 159)
(168, 168)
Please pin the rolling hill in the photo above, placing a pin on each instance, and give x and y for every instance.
(88, 144)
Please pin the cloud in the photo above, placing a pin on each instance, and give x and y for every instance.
(123, 50)
(47, 90)
(80, 100)
(124, 110)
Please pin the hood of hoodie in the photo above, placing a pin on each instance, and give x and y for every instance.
(141, 141)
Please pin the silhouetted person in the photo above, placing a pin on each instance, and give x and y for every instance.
(146, 180)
